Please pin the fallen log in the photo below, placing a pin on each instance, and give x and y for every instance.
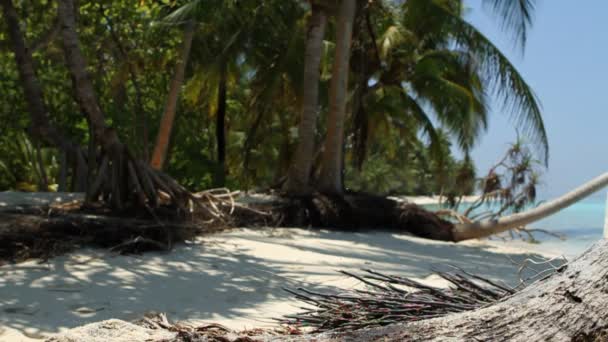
(26, 236)
(361, 212)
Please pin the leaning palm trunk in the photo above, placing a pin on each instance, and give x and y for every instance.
(166, 124)
(41, 126)
(121, 180)
(482, 229)
(330, 178)
(298, 177)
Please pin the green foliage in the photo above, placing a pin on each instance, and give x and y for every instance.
(421, 80)
(22, 163)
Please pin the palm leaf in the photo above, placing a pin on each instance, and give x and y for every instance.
(514, 16)
(500, 77)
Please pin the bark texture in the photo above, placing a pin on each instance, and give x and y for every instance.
(571, 305)
(330, 178)
(166, 124)
(298, 178)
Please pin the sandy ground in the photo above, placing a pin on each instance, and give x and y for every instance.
(234, 278)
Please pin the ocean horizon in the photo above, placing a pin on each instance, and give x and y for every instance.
(582, 224)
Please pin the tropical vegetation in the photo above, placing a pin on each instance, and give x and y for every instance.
(373, 96)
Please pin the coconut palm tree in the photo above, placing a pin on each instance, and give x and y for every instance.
(166, 124)
(441, 25)
(441, 66)
(120, 178)
(41, 125)
(298, 178)
(330, 177)
(248, 44)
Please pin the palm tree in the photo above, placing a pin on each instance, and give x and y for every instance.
(298, 178)
(42, 127)
(440, 25)
(437, 65)
(121, 179)
(248, 50)
(330, 177)
(166, 125)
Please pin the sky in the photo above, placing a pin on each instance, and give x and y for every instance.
(566, 63)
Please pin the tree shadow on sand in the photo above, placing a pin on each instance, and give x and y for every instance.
(235, 276)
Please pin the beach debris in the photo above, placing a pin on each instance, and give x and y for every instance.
(49, 230)
(213, 332)
(392, 299)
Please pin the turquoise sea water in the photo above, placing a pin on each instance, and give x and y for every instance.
(581, 224)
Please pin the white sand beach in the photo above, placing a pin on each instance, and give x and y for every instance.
(234, 278)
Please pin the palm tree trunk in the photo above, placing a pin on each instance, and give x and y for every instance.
(85, 93)
(41, 124)
(166, 124)
(220, 126)
(330, 178)
(482, 229)
(298, 177)
(121, 179)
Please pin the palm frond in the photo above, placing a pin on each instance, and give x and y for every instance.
(515, 16)
(446, 81)
(413, 108)
(501, 78)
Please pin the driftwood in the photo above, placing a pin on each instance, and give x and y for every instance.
(43, 232)
(32, 235)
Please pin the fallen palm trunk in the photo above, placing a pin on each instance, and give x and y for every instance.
(361, 212)
(26, 236)
(46, 231)
(354, 211)
(476, 230)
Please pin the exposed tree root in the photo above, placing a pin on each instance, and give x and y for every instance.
(358, 211)
(125, 182)
(44, 232)
(205, 333)
(569, 305)
(25, 236)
